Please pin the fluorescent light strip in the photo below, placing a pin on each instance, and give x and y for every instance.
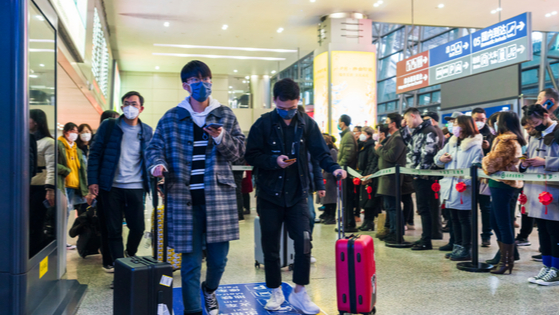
(41, 40)
(40, 50)
(228, 48)
(219, 56)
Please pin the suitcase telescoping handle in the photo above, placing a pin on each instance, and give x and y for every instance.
(340, 210)
(165, 210)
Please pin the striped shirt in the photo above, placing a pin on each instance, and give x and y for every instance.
(198, 165)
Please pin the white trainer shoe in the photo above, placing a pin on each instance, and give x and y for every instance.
(276, 300)
(550, 279)
(542, 273)
(313, 260)
(302, 302)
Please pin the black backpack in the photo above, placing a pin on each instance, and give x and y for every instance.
(86, 227)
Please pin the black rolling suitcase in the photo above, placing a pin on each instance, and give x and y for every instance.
(143, 285)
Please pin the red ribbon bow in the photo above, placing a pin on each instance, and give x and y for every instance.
(324, 181)
(357, 182)
(369, 191)
(461, 187)
(522, 200)
(436, 187)
(546, 198)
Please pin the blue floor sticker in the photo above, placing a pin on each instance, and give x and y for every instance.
(242, 299)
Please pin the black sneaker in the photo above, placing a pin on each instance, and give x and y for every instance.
(348, 230)
(447, 247)
(486, 243)
(126, 254)
(210, 301)
(537, 257)
(422, 246)
(390, 238)
(522, 242)
(109, 268)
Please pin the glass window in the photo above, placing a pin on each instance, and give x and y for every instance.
(381, 119)
(386, 90)
(392, 42)
(391, 106)
(388, 66)
(436, 41)
(408, 102)
(424, 99)
(429, 31)
(430, 88)
(381, 108)
(436, 97)
(553, 51)
(386, 28)
(530, 77)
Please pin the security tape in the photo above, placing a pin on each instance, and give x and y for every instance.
(241, 168)
(530, 177)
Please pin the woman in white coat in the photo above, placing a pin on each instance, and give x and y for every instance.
(542, 158)
(462, 150)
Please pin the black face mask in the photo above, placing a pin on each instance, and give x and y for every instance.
(541, 127)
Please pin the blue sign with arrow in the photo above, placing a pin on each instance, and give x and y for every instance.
(503, 32)
(452, 50)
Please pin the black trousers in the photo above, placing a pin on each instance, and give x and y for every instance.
(408, 209)
(238, 177)
(130, 203)
(548, 237)
(349, 199)
(247, 202)
(461, 220)
(296, 219)
(424, 204)
(372, 212)
(330, 211)
(527, 223)
(107, 259)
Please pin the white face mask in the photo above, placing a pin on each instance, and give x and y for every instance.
(131, 112)
(85, 137)
(480, 125)
(375, 137)
(72, 137)
(363, 137)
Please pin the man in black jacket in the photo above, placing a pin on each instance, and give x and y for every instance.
(277, 147)
(423, 144)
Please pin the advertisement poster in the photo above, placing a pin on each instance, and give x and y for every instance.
(321, 94)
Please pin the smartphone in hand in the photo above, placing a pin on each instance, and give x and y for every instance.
(214, 125)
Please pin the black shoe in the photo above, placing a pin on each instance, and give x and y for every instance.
(418, 242)
(390, 238)
(486, 243)
(126, 254)
(348, 230)
(445, 229)
(329, 221)
(210, 301)
(422, 246)
(447, 247)
(246, 211)
(537, 257)
(112, 286)
(495, 260)
(367, 226)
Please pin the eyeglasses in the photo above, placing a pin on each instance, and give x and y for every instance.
(197, 80)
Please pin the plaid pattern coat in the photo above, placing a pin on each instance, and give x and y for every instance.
(172, 146)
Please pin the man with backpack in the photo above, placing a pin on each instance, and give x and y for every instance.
(118, 176)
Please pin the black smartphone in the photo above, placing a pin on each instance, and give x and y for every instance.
(214, 125)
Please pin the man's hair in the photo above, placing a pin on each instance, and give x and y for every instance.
(347, 120)
(411, 110)
(196, 69)
(359, 128)
(396, 118)
(133, 93)
(551, 93)
(384, 128)
(286, 90)
(108, 114)
(478, 110)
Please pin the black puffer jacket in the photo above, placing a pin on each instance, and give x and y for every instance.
(367, 165)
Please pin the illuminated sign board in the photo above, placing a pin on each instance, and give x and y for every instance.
(500, 45)
(100, 55)
(73, 14)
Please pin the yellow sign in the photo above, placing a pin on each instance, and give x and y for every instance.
(353, 88)
(321, 94)
(43, 267)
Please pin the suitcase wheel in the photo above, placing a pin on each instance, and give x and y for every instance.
(257, 265)
(291, 267)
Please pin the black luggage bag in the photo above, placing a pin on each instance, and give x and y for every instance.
(143, 285)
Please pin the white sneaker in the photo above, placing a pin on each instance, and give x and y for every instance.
(542, 273)
(550, 279)
(70, 247)
(313, 260)
(276, 300)
(302, 302)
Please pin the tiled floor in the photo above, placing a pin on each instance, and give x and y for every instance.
(408, 282)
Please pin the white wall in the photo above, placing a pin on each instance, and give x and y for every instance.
(163, 91)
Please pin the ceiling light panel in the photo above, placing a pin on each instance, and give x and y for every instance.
(228, 48)
(280, 30)
(220, 56)
(225, 27)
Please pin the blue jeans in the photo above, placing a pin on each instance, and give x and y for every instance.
(216, 259)
(500, 216)
(311, 205)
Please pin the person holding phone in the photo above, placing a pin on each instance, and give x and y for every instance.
(542, 158)
(277, 147)
(548, 98)
(195, 144)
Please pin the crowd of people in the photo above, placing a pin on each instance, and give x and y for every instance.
(196, 143)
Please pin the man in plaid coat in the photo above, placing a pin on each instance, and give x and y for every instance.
(195, 143)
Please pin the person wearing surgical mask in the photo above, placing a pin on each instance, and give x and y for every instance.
(76, 181)
(367, 165)
(85, 135)
(118, 176)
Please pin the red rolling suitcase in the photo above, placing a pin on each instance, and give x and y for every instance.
(356, 283)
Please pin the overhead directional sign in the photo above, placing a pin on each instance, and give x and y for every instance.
(497, 46)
